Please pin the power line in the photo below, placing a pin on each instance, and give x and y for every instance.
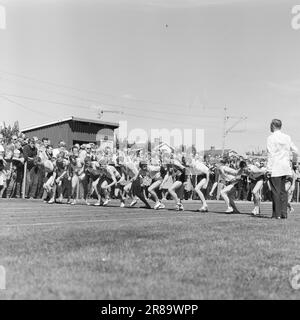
(44, 100)
(160, 119)
(25, 107)
(110, 105)
(46, 90)
(93, 92)
(4, 96)
(170, 113)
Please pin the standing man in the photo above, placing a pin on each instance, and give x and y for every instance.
(30, 154)
(279, 147)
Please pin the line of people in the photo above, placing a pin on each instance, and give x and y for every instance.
(55, 174)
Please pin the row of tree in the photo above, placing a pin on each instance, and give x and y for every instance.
(8, 131)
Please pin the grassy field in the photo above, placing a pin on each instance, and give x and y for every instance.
(64, 252)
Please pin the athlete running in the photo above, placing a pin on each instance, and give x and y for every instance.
(231, 177)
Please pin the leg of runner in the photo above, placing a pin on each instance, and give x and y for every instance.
(138, 191)
(53, 192)
(106, 192)
(75, 189)
(95, 188)
(151, 189)
(59, 192)
(225, 193)
(119, 195)
(201, 195)
(133, 188)
(256, 197)
(176, 185)
(213, 189)
(290, 191)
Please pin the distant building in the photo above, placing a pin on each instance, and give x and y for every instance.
(216, 153)
(75, 130)
(164, 147)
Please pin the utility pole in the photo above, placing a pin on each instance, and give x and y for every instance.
(100, 114)
(224, 130)
(227, 131)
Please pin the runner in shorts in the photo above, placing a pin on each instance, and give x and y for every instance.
(231, 177)
(179, 180)
(257, 177)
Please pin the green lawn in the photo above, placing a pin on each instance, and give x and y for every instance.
(139, 254)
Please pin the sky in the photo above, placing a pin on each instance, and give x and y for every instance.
(155, 63)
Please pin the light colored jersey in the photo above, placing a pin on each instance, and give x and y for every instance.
(229, 175)
(199, 168)
(255, 172)
(131, 168)
(112, 172)
(154, 172)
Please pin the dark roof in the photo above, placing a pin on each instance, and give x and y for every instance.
(110, 124)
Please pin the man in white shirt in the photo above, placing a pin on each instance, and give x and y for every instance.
(279, 147)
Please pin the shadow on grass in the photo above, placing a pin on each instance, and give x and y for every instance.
(261, 216)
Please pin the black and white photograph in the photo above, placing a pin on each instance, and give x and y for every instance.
(149, 150)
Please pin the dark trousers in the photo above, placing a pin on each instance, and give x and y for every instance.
(41, 181)
(28, 183)
(279, 197)
(86, 186)
(66, 188)
(137, 190)
(34, 182)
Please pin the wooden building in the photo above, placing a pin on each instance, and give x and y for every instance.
(74, 130)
